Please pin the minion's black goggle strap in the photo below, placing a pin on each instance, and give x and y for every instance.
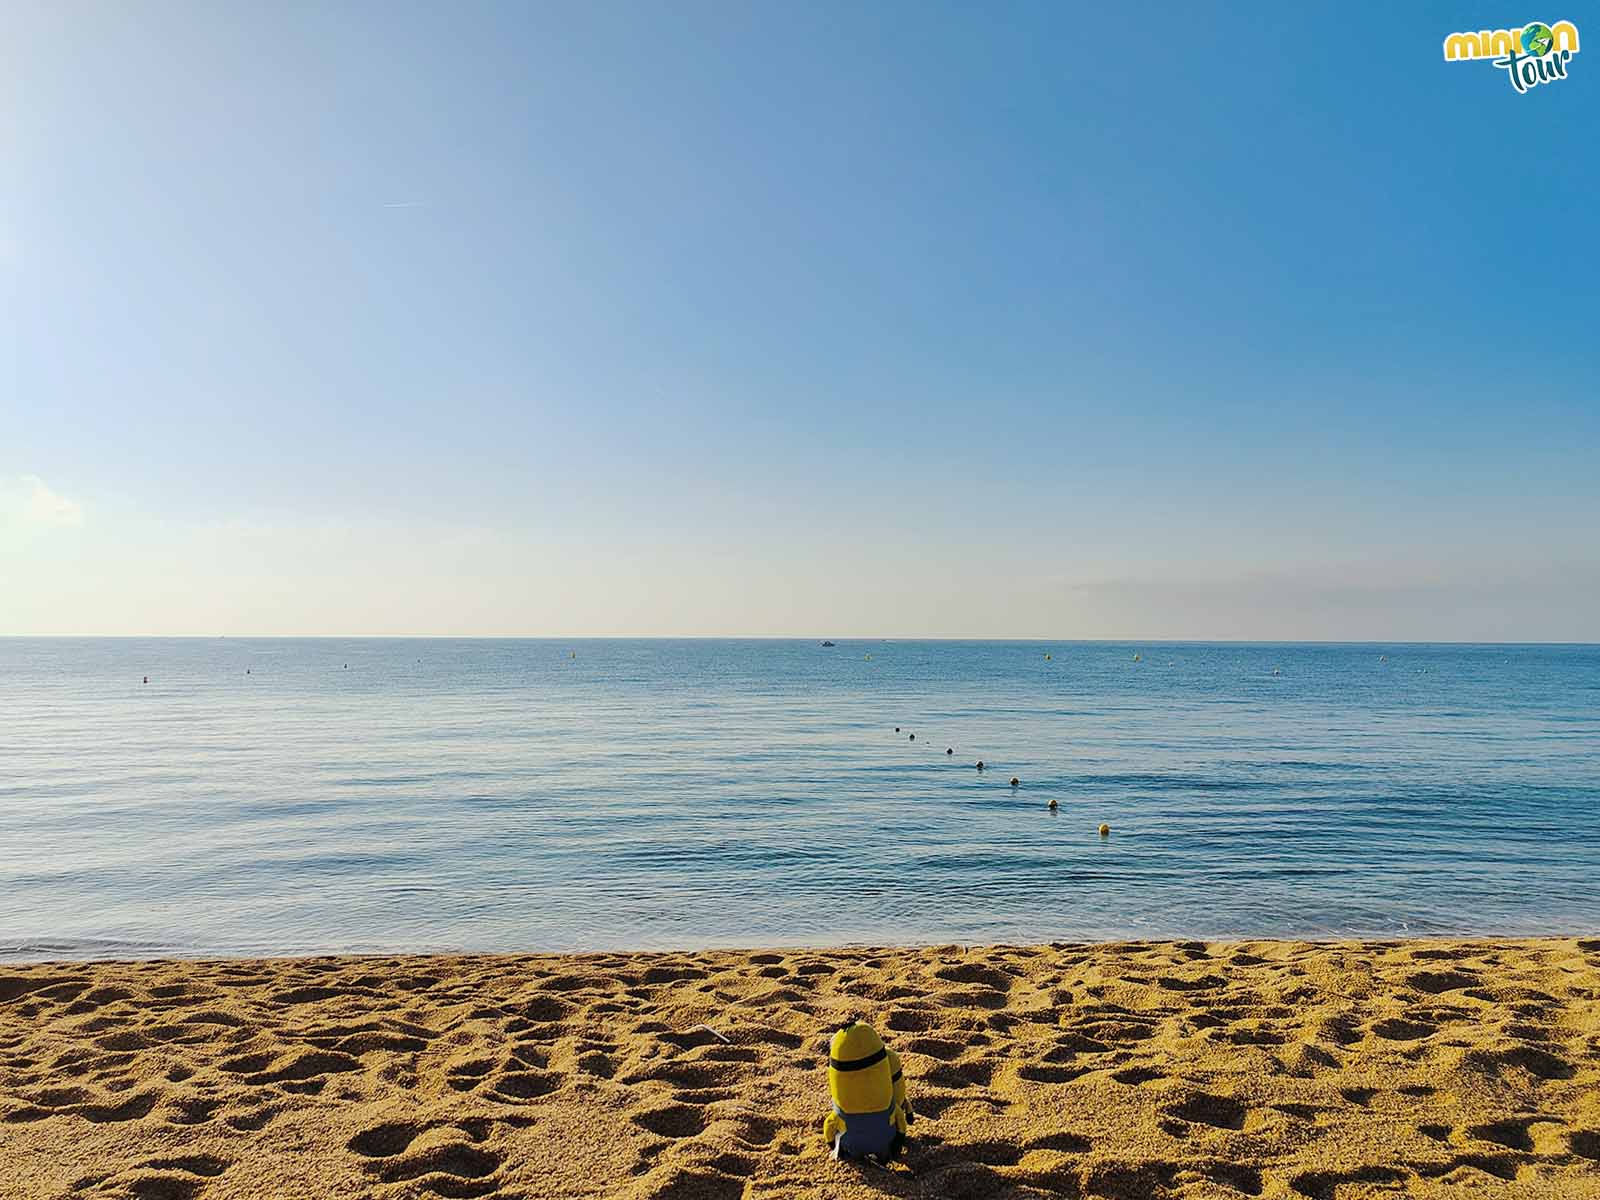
(858, 1064)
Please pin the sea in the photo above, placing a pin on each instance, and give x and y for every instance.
(239, 796)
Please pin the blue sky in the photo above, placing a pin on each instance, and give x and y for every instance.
(803, 319)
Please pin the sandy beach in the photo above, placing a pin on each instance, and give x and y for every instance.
(1272, 1069)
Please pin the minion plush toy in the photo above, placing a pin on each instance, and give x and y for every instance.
(866, 1122)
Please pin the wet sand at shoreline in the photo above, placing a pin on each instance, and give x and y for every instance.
(1275, 1069)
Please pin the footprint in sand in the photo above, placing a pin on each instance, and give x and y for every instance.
(13, 987)
(667, 974)
(978, 973)
(989, 1153)
(911, 1020)
(452, 1169)
(978, 998)
(935, 1047)
(546, 1009)
(449, 1167)
(1438, 982)
(1535, 1135)
(694, 1076)
(171, 1178)
(1202, 1108)
(1323, 1185)
(958, 1075)
(247, 1064)
(306, 1065)
(193, 1110)
(595, 1063)
(693, 1183)
(672, 1120)
(132, 1109)
(1045, 1073)
(463, 1075)
(765, 1035)
(164, 1187)
(1539, 1063)
(1134, 1076)
(1205, 983)
(691, 1039)
(1254, 1035)
(1118, 1179)
(1300, 1112)
(313, 995)
(1341, 1028)
(514, 1086)
(250, 1122)
(205, 1165)
(756, 1130)
(1059, 1143)
(382, 1141)
(1584, 1142)
(1444, 954)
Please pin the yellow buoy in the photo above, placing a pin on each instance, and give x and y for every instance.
(1052, 805)
(1105, 830)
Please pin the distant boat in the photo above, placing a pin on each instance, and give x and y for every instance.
(827, 643)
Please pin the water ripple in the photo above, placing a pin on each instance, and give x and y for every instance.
(491, 795)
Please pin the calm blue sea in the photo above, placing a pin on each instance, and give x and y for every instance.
(295, 796)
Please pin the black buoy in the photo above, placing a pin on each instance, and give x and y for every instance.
(1015, 782)
(980, 764)
(147, 679)
(897, 729)
(913, 737)
(950, 750)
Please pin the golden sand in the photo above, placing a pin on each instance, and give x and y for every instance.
(1273, 1069)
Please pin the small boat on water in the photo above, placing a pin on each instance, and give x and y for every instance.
(827, 643)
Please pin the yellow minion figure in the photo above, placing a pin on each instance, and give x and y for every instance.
(866, 1122)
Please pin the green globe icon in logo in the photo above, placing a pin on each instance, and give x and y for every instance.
(1537, 40)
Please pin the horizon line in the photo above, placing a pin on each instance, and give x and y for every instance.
(769, 637)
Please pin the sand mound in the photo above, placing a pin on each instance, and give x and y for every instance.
(1270, 1069)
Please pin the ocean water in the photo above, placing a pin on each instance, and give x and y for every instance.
(300, 796)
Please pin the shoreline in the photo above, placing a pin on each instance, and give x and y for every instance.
(1273, 1068)
(455, 953)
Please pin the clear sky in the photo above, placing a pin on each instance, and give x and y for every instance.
(813, 319)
